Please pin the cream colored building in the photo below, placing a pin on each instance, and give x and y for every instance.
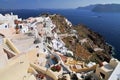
(21, 58)
(13, 66)
(16, 69)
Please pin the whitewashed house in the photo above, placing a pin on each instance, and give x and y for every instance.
(9, 19)
(104, 72)
(23, 28)
(4, 26)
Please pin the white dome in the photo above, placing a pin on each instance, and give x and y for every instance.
(1, 15)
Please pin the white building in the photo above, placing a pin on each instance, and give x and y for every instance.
(105, 71)
(68, 22)
(116, 73)
(9, 19)
(4, 26)
(39, 19)
(91, 64)
(23, 28)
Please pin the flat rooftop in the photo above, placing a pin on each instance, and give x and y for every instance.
(107, 67)
(23, 42)
(116, 73)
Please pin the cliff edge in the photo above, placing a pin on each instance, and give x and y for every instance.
(86, 44)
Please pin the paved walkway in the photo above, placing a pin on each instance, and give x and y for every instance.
(66, 35)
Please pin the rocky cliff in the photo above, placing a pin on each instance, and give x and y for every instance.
(102, 8)
(107, 8)
(86, 44)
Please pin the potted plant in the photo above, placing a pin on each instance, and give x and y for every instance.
(63, 78)
(56, 68)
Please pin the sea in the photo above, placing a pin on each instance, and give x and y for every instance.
(106, 24)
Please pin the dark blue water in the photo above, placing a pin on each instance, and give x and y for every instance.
(107, 24)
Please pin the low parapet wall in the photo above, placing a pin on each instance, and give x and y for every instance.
(86, 69)
(11, 45)
(16, 68)
(45, 71)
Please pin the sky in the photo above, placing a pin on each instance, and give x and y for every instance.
(56, 4)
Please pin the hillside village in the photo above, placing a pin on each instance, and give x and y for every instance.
(48, 47)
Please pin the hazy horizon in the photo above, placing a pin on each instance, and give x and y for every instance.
(51, 4)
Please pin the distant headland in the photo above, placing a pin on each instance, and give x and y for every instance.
(102, 8)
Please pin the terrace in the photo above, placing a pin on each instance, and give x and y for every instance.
(74, 65)
(23, 42)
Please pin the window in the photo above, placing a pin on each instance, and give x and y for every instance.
(102, 75)
(31, 28)
(5, 26)
(37, 46)
(37, 54)
(20, 26)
